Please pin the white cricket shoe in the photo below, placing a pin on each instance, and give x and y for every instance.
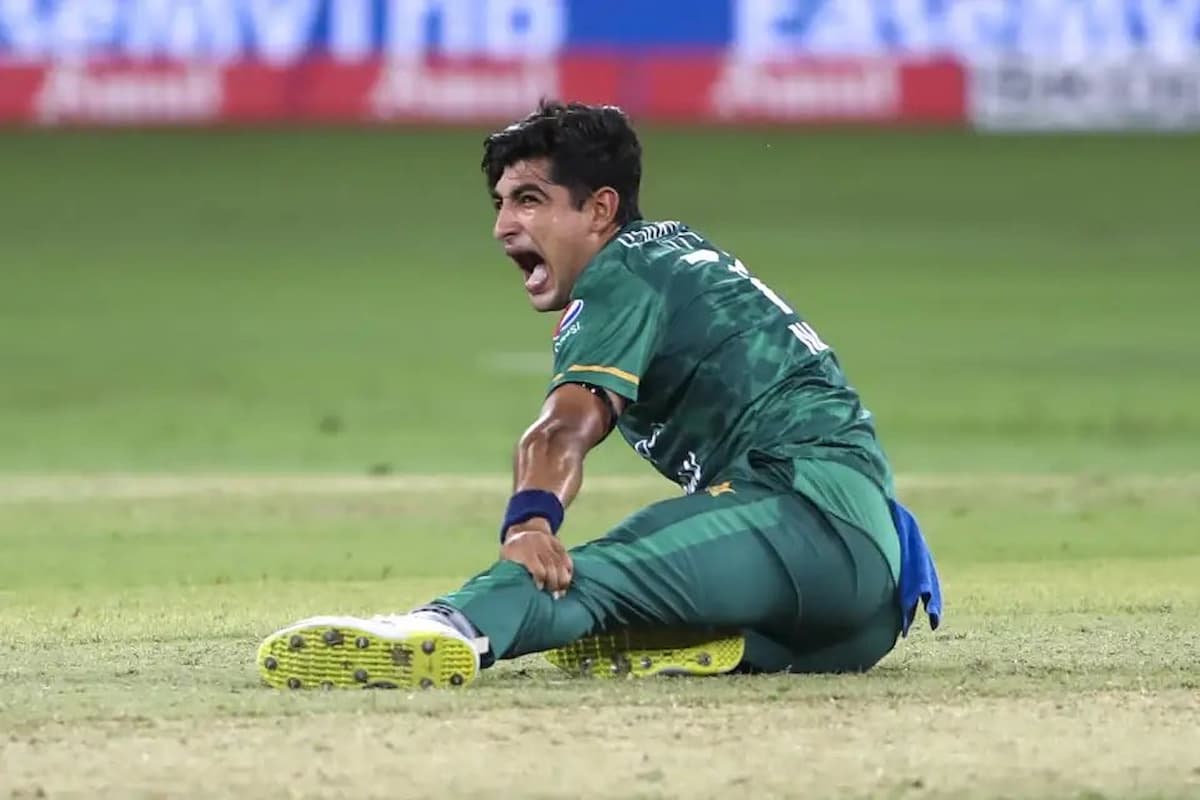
(399, 651)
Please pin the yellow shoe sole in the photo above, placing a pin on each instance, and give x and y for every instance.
(641, 654)
(336, 656)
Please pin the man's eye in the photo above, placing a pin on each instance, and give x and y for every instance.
(527, 199)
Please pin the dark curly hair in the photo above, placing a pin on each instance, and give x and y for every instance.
(589, 147)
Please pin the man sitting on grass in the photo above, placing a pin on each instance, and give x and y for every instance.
(788, 550)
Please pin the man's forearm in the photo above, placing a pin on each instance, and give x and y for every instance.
(550, 457)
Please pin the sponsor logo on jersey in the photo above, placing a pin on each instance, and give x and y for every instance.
(569, 316)
(568, 324)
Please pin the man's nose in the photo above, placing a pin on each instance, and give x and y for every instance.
(506, 224)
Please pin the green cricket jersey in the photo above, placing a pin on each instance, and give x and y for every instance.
(720, 372)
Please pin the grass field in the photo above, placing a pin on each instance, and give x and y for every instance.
(252, 376)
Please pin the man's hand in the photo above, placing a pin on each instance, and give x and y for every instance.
(532, 545)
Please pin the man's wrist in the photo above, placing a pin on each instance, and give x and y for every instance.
(532, 504)
(532, 525)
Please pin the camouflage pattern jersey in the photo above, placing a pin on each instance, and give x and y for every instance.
(724, 378)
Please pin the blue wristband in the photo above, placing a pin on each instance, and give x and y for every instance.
(530, 503)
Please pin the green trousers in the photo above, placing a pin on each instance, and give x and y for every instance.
(810, 592)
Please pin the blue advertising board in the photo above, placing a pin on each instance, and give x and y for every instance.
(284, 31)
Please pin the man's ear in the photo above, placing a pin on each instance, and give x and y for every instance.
(606, 204)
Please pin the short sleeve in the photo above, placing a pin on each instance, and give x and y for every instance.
(608, 337)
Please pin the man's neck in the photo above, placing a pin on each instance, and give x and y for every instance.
(603, 240)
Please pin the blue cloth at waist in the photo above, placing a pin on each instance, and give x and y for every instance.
(918, 575)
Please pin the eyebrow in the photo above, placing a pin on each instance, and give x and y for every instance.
(528, 186)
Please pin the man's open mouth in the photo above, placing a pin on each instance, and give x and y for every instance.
(537, 276)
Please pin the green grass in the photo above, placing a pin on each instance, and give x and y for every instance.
(206, 301)
(130, 627)
(209, 339)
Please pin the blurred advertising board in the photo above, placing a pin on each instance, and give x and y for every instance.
(1130, 94)
(993, 62)
(706, 89)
